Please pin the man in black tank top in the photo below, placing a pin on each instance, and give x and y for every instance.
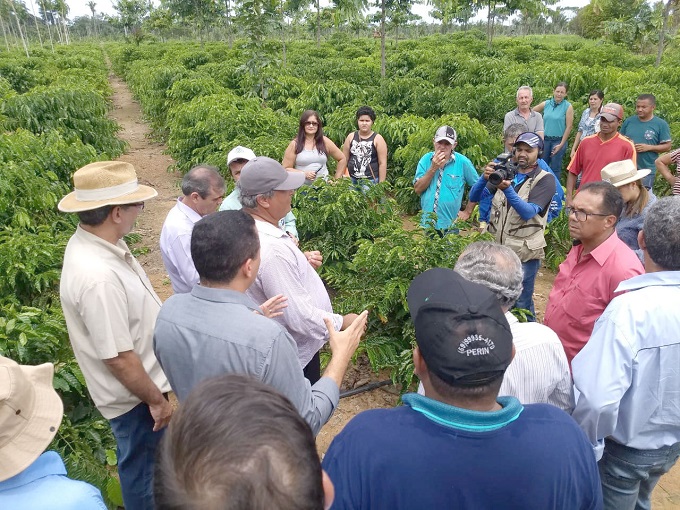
(365, 150)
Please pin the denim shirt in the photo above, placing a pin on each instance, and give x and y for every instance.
(628, 227)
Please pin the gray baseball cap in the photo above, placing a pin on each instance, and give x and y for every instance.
(263, 174)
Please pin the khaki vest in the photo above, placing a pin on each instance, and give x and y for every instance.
(525, 237)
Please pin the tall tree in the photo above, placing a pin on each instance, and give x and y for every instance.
(198, 13)
(669, 6)
(131, 13)
(92, 5)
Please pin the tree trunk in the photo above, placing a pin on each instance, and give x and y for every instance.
(382, 38)
(49, 30)
(489, 23)
(4, 33)
(35, 20)
(318, 23)
(666, 14)
(227, 22)
(21, 34)
(283, 33)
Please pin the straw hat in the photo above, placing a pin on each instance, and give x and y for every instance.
(619, 173)
(30, 414)
(105, 183)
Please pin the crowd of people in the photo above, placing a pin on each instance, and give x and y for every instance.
(580, 412)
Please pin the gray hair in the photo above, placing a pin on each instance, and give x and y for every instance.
(496, 267)
(662, 235)
(201, 179)
(250, 201)
(513, 131)
(524, 87)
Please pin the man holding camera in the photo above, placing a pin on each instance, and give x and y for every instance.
(519, 211)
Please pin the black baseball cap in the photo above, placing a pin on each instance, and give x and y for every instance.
(461, 330)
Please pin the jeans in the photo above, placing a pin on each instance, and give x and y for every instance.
(555, 161)
(136, 449)
(648, 180)
(526, 298)
(363, 185)
(629, 475)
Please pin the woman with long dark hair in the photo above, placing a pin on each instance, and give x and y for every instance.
(308, 152)
(590, 119)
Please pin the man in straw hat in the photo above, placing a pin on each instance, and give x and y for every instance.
(30, 414)
(461, 445)
(110, 309)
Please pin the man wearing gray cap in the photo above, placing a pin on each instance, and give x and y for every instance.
(461, 445)
(110, 309)
(266, 190)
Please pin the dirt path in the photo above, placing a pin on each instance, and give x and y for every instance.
(152, 168)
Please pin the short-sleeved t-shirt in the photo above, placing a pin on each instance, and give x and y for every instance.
(593, 155)
(457, 172)
(653, 132)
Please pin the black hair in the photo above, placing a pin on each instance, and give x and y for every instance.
(366, 110)
(612, 200)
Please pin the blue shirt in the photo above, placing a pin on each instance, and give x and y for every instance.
(457, 172)
(44, 484)
(627, 376)
(431, 455)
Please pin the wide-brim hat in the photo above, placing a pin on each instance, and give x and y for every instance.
(30, 414)
(623, 172)
(105, 183)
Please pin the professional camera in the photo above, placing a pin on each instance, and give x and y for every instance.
(505, 169)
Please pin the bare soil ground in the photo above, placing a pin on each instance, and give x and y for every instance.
(152, 165)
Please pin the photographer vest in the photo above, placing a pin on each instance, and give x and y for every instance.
(525, 237)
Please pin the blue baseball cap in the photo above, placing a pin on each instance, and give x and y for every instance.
(531, 139)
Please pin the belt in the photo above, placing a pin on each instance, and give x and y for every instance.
(553, 138)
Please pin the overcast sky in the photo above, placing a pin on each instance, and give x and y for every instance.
(80, 8)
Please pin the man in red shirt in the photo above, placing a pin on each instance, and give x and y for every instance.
(594, 267)
(600, 149)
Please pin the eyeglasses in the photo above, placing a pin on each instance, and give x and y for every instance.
(135, 204)
(582, 215)
(311, 123)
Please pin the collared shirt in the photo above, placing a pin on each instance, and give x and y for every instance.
(176, 247)
(211, 332)
(284, 269)
(110, 307)
(592, 155)
(539, 372)
(534, 123)
(583, 289)
(44, 484)
(457, 172)
(232, 202)
(427, 454)
(627, 377)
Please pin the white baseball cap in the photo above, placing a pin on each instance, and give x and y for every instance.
(239, 152)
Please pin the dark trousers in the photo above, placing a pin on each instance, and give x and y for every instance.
(313, 369)
(136, 444)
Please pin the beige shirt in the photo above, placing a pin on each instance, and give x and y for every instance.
(110, 307)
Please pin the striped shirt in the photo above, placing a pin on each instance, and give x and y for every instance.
(284, 269)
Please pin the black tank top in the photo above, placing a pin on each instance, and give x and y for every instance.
(363, 157)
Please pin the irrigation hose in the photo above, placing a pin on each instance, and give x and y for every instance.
(365, 387)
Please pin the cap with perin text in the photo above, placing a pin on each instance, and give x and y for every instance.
(461, 330)
(531, 139)
(262, 175)
(612, 111)
(446, 133)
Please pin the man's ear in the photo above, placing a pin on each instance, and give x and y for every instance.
(328, 490)
(248, 268)
(115, 214)
(419, 366)
(262, 201)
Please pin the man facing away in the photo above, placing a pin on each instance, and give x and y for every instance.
(266, 190)
(110, 309)
(30, 414)
(203, 189)
(236, 443)
(520, 208)
(596, 151)
(595, 266)
(530, 120)
(440, 181)
(460, 445)
(651, 135)
(217, 329)
(627, 375)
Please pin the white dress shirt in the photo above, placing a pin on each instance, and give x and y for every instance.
(176, 247)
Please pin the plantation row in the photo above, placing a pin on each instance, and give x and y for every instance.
(53, 120)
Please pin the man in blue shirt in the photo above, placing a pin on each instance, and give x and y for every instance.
(627, 374)
(460, 445)
(440, 181)
(651, 135)
(30, 414)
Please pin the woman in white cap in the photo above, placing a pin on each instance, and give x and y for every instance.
(637, 200)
